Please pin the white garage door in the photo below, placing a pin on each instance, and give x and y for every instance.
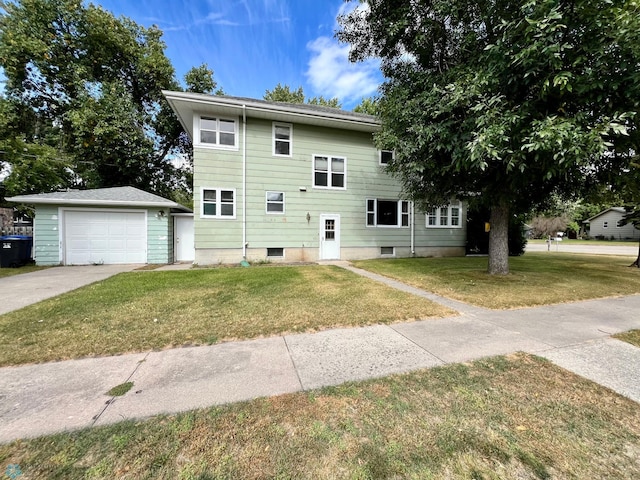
(104, 237)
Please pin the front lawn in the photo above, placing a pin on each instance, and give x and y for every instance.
(505, 417)
(140, 311)
(535, 278)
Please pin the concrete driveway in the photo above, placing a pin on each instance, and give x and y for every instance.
(18, 291)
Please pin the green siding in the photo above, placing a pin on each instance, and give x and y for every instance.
(46, 235)
(159, 237)
(265, 172)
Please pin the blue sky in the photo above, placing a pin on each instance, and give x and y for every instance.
(252, 45)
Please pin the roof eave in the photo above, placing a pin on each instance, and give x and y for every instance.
(95, 203)
(283, 112)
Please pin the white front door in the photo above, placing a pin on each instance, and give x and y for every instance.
(184, 239)
(329, 237)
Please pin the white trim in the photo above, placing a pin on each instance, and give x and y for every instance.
(449, 217)
(329, 172)
(273, 137)
(218, 215)
(215, 146)
(266, 202)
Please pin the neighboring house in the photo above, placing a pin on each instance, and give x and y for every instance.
(13, 222)
(608, 224)
(295, 182)
(105, 225)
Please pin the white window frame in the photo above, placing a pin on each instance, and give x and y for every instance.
(380, 152)
(197, 121)
(330, 173)
(275, 256)
(218, 203)
(374, 212)
(605, 224)
(267, 202)
(275, 140)
(443, 216)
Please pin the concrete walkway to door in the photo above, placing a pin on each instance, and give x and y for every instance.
(18, 291)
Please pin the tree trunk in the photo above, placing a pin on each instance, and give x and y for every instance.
(637, 262)
(499, 240)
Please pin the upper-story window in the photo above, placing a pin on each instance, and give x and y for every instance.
(329, 172)
(282, 139)
(217, 132)
(605, 224)
(449, 216)
(385, 156)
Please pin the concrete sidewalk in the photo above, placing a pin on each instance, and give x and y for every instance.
(18, 291)
(48, 398)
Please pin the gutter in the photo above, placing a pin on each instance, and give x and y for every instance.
(412, 222)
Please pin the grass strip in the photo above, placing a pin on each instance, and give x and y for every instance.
(506, 417)
(536, 278)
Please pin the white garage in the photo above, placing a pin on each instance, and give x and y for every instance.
(104, 226)
(104, 236)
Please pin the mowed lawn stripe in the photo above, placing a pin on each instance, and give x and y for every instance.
(140, 311)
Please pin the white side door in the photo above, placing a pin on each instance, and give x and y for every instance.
(329, 237)
(184, 239)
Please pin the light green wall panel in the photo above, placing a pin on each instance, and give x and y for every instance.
(264, 172)
(46, 235)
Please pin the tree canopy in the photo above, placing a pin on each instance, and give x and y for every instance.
(284, 93)
(84, 100)
(502, 103)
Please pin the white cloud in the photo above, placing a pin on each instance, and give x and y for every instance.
(331, 74)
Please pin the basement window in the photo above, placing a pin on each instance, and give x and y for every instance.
(388, 251)
(275, 252)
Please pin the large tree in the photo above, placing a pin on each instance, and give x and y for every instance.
(284, 93)
(92, 83)
(501, 102)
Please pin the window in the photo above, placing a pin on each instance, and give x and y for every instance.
(388, 251)
(386, 156)
(449, 217)
(275, 202)
(329, 172)
(620, 223)
(218, 203)
(282, 134)
(217, 132)
(387, 213)
(605, 224)
(275, 252)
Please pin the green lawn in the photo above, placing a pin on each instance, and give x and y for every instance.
(140, 311)
(535, 278)
(500, 418)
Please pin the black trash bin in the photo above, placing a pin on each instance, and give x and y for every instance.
(15, 250)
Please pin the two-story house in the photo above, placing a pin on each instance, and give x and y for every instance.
(295, 182)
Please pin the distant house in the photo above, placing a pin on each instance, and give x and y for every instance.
(14, 222)
(296, 182)
(104, 225)
(608, 225)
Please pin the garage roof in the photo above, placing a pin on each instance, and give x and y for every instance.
(112, 197)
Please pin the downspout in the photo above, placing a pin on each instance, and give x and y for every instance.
(244, 182)
(413, 228)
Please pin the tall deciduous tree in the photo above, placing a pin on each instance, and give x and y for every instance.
(283, 93)
(94, 83)
(501, 102)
